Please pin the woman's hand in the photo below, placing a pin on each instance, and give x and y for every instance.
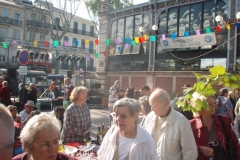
(206, 151)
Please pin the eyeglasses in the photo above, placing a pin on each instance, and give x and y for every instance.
(46, 145)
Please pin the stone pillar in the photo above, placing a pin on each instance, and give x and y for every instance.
(103, 18)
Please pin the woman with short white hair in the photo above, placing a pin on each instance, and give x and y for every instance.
(77, 120)
(40, 139)
(126, 139)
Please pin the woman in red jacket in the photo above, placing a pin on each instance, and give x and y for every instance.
(209, 135)
(5, 94)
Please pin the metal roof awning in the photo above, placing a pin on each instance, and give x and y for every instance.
(29, 72)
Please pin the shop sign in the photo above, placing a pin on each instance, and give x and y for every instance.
(189, 42)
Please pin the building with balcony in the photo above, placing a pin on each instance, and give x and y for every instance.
(151, 62)
(22, 20)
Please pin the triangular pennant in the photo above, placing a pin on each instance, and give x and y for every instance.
(35, 43)
(88, 57)
(46, 43)
(208, 30)
(198, 32)
(86, 41)
(127, 40)
(55, 43)
(163, 37)
(173, 36)
(186, 34)
(119, 48)
(107, 42)
(126, 46)
(117, 41)
(153, 38)
(105, 53)
(66, 43)
(218, 28)
(133, 43)
(14, 43)
(96, 55)
(111, 51)
(136, 39)
(96, 42)
(76, 42)
(228, 26)
(5, 45)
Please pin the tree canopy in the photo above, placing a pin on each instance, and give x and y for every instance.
(94, 7)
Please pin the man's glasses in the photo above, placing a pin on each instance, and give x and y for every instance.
(46, 145)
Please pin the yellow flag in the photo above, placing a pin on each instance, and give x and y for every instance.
(111, 51)
(35, 43)
(145, 36)
(228, 26)
(86, 41)
(136, 39)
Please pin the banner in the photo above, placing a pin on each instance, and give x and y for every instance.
(188, 42)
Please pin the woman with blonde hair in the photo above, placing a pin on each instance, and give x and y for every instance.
(77, 120)
(55, 94)
(40, 139)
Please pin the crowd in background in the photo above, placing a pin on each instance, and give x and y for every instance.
(164, 131)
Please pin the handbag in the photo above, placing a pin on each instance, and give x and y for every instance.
(229, 146)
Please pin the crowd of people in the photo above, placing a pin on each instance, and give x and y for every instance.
(164, 133)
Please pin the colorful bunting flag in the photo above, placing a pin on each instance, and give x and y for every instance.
(14, 43)
(5, 45)
(76, 42)
(88, 56)
(186, 34)
(46, 43)
(66, 43)
(198, 32)
(96, 42)
(105, 53)
(117, 41)
(228, 26)
(133, 43)
(96, 55)
(218, 28)
(208, 30)
(35, 43)
(153, 38)
(107, 42)
(145, 36)
(119, 48)
(111, 51)
(86, 41)
(126, 46)
(127, 40)
(173, 36)
(163, 37)
(136, 39)
(140, 40)
(55, 43)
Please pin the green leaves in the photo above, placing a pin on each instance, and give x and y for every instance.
(217, 70)
(195, 98)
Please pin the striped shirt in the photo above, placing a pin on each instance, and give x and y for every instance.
(112, 91)
(76, 121)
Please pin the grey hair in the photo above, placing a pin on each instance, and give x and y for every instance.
(117, 82)
(7, 130)
(161, 94)
(31, 84)
(4, 83)
(132, 104)
(35, 126)
(144, 102)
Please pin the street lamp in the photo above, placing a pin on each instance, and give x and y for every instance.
(151, 57)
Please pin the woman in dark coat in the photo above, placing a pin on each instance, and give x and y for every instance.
(56, 96)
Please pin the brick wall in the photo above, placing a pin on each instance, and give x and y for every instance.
(111, 80)
(125, 81)
(181, 81)
(138, 82)
(165, 83)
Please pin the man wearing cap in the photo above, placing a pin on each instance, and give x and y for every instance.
(28, 109)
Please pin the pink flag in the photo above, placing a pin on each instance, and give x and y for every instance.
(198, 32)
(88, 57)
(126, 46)
(163, 37)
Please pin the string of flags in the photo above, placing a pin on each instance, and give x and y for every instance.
(128, 41)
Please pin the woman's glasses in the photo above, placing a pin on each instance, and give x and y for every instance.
(46, 145)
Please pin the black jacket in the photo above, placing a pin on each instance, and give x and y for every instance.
(32, 95)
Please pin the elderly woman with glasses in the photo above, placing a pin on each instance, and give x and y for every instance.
(126, 139)
(211, 131)
(77, 120)
(40, 139)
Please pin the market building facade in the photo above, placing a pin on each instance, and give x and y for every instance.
(169, 60)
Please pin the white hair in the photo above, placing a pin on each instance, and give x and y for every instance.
(161, 94)
(35, 126)
(6, 133)
(132, 104)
